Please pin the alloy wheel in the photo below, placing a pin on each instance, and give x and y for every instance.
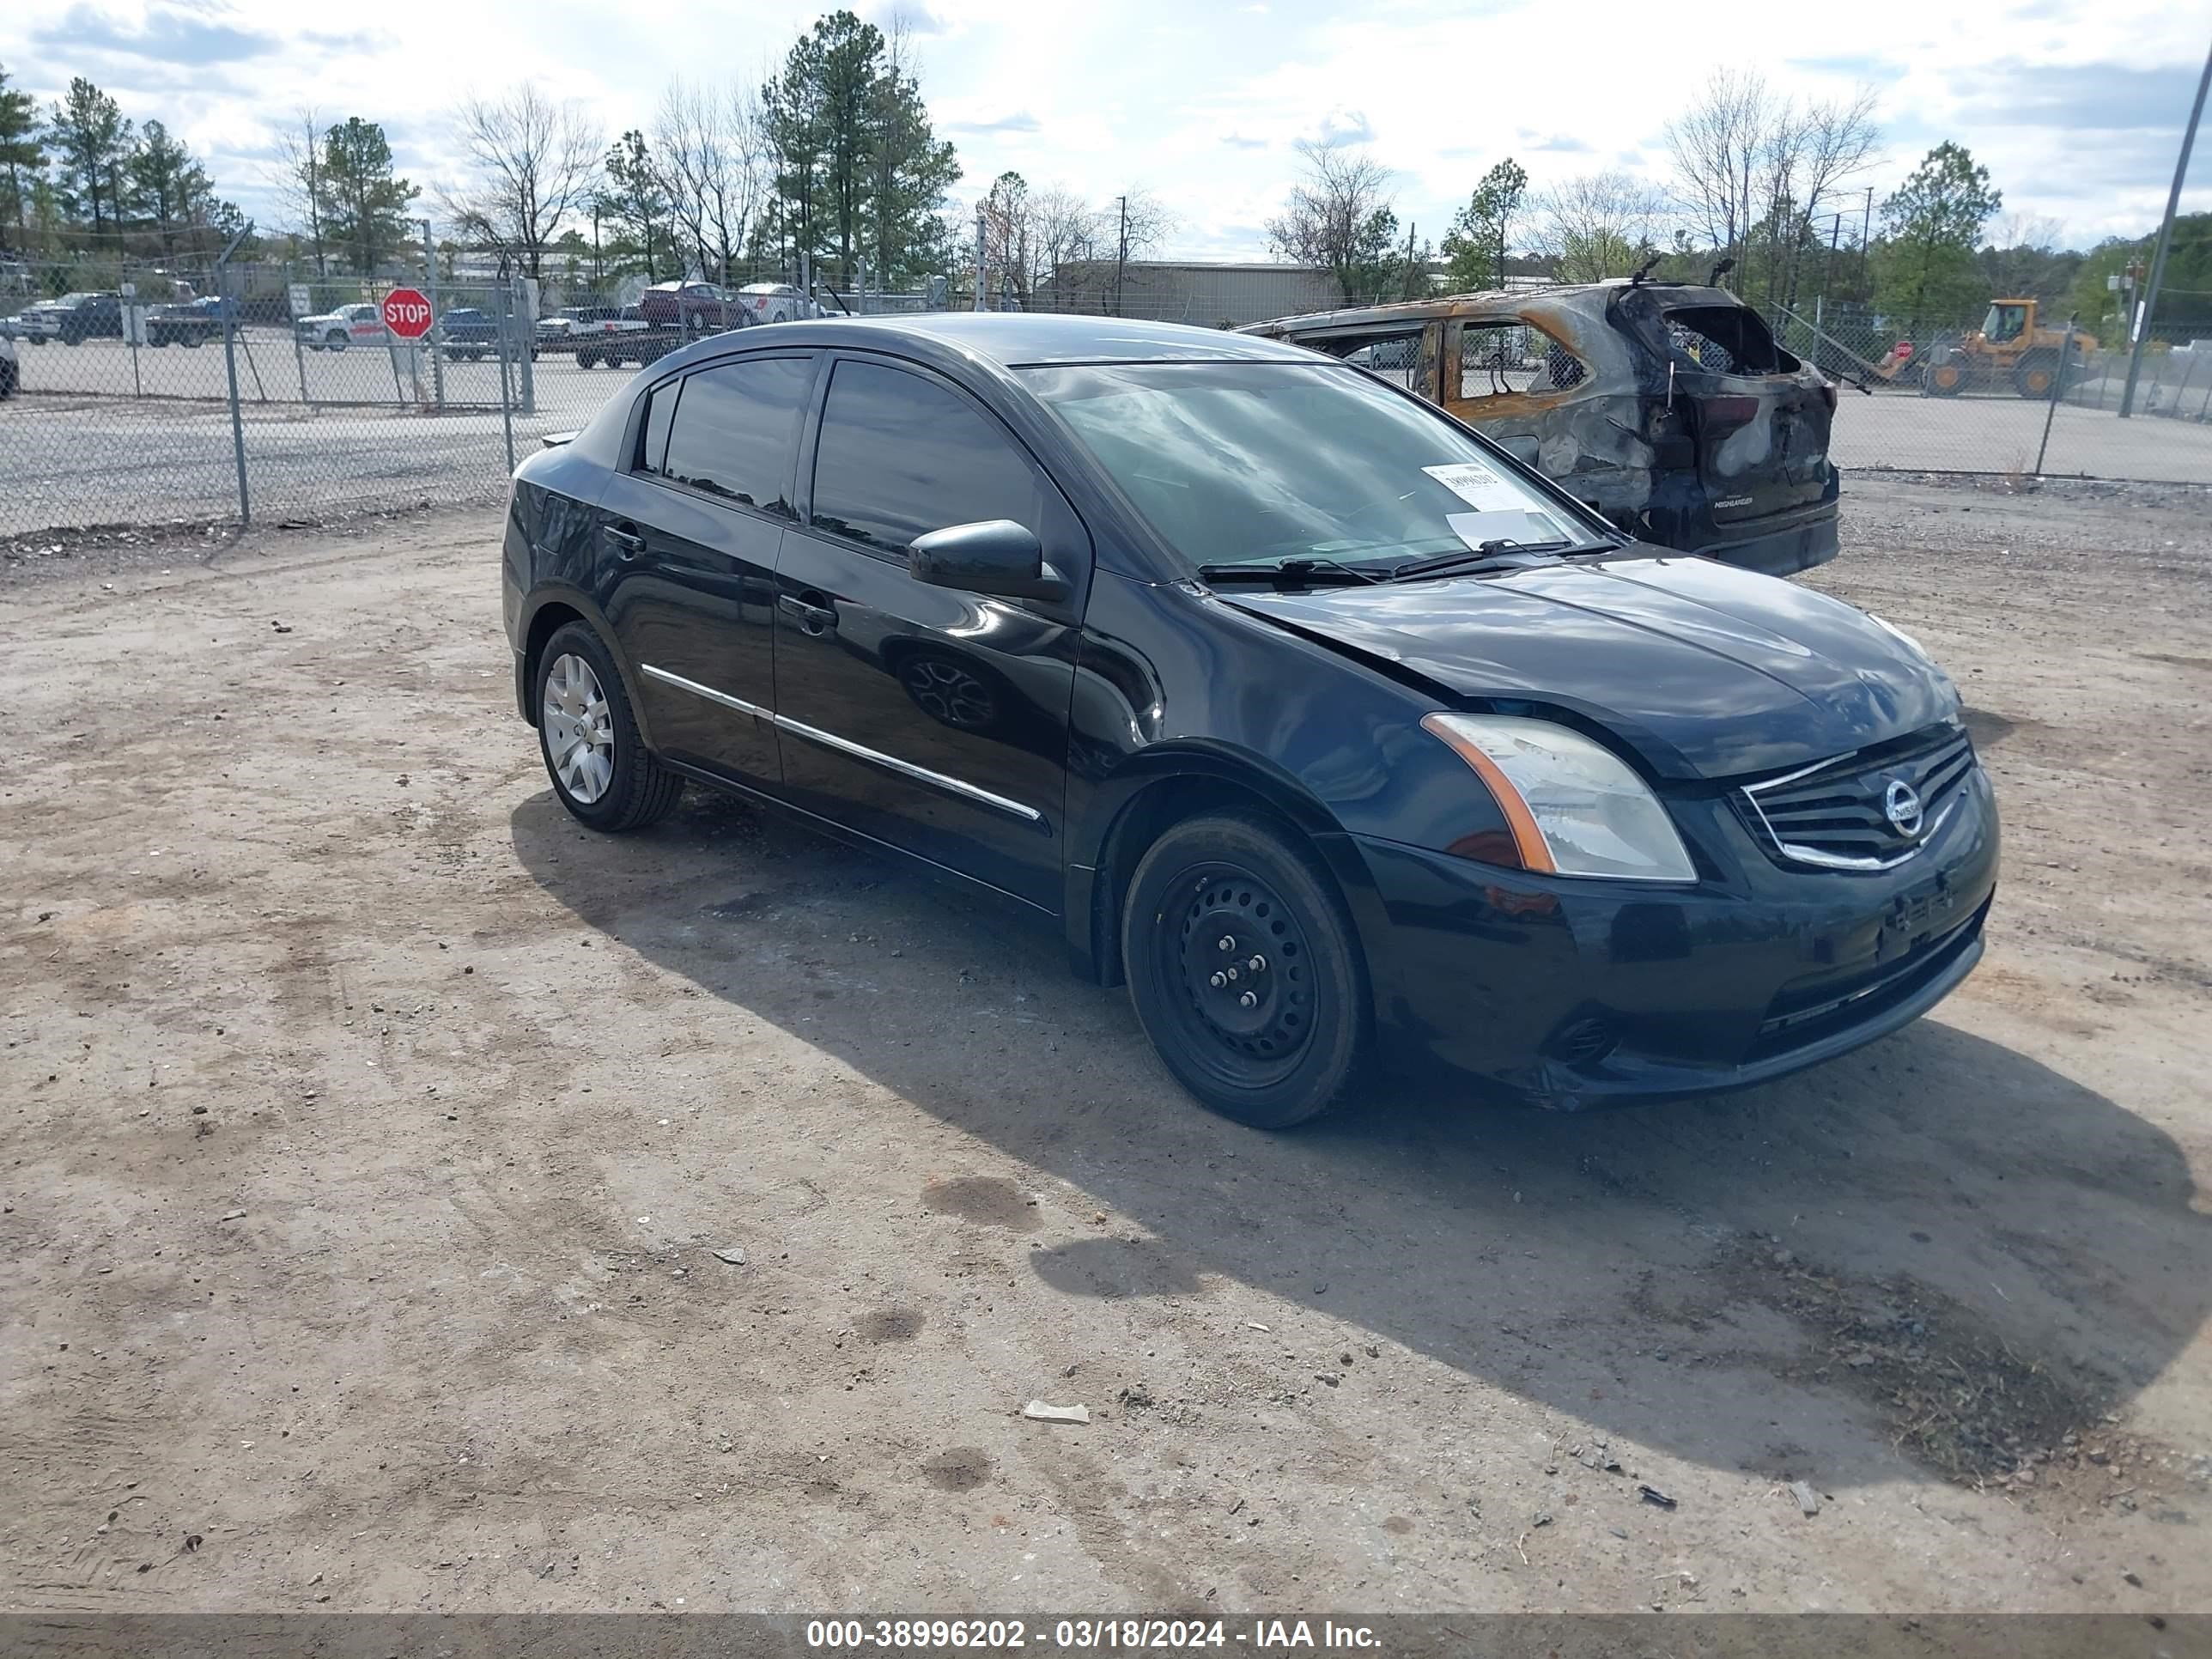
(945, 691)
(579, 730)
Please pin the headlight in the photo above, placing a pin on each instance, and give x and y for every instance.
(1574, 806)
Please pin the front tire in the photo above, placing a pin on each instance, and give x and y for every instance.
(588, 736)
(1271, 1044)
(335, 342)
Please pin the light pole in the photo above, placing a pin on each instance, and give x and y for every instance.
(2149, 304)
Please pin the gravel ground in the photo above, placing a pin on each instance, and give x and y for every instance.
(373, 1130)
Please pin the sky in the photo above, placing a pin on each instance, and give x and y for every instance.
(2075, 106)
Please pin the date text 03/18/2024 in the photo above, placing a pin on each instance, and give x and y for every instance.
(1109, 1635)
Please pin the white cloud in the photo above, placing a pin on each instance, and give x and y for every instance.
(1198, 104)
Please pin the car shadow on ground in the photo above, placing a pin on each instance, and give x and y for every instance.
(1936, 1253)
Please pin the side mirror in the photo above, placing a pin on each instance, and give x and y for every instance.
(996, 557)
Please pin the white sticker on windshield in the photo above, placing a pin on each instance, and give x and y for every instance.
(1478, 486)
(1486, 529)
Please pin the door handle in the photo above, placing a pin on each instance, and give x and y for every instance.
(628, 543)
(813, 620)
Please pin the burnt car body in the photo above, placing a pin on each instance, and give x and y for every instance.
(1206, 650)
(1669, 409)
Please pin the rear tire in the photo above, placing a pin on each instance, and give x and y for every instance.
(602, 772)
(1289, 1053)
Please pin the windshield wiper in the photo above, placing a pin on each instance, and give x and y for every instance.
(1473, 558)
(1293, 572)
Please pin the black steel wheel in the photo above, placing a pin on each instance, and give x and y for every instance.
(1245, 970)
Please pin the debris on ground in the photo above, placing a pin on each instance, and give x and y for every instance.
(1598, 1456)
(1653, 1495)
(1808, 1500)
(734, 1256)
(1038, 1412)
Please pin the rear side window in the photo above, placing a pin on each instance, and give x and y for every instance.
(900, 456)
(1727, 340)
(1394, 354)
(1499, 358)
(730, 431)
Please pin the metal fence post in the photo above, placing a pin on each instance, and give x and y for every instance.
(2057, 391)
(430, 293)
(506, 387)
(525, 324)
(230, 368)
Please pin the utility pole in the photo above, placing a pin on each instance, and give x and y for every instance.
(2148, 305)
(1120, 252)
(982, 258)
(1866, 232)
(1412, 229)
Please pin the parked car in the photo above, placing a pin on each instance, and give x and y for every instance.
(775, 302)
(194, 323)
(1317, 717)
(1669, 409)
(468, 333)
(74, 319)
(693, 308)
(590, 332)
(345, 325)
(11, 370)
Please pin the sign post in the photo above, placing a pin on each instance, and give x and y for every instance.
(407, 317)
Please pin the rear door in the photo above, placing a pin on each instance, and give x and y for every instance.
(929, 719)
(690, 528)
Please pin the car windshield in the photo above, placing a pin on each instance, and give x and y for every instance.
(75, 298)
(1260, 463)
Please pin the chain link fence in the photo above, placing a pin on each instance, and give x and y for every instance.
(2010, 390)
(180, 393)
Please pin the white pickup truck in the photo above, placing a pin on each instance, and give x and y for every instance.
(597, 334)
(334, 330)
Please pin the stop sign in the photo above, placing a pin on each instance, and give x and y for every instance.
(407, 313)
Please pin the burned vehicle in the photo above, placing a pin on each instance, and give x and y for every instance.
(1671, 411)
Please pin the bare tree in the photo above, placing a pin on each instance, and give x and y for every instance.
(1339, 215)
(1753, 171)
(536, 162)
(712, 159)
(1065, 232)
(1597, 226)
(296, 181)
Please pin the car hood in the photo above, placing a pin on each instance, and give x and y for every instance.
(1707, 671)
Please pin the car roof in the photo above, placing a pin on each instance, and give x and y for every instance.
(1022, 339)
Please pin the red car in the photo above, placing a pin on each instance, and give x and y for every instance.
(696, 307)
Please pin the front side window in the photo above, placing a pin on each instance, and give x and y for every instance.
(900, 456)
(1261, 463)
(730, 430)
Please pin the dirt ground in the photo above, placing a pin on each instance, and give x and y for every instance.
(370, 1132)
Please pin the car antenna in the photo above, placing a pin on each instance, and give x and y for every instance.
(1644, 269)
(1721, 271)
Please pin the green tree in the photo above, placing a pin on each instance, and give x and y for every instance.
(168, 190)
(1476, 248)
(1339, 215)
(1924, 269)
(2184, 295)
(368, 214)
(910, 171)
(87, 132)
(23, 158)
(632, 203)
(858, 167)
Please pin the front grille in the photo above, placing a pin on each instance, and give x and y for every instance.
(1835, 816)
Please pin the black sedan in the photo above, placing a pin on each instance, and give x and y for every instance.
(1334, 730)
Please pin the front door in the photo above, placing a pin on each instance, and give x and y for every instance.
(690, 530)
(932, 720)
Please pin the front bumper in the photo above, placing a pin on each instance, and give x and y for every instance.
(1577, 993)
